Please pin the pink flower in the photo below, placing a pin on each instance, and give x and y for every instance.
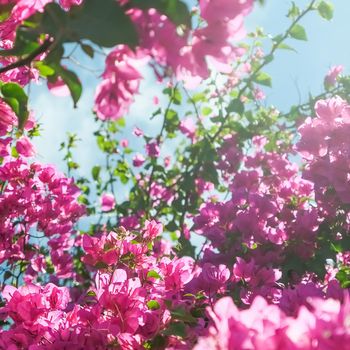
(107, 202)
(24, 304)
(152, 229)
(332, 75)
(167, 161)
(7, 118)
(131, 222)
(188, 127)
(124, 143)
(31, 123)
(58, 88)
(108, 101)
(222, 10)
(215, 276)
(150, 324)
(137, 132)
(24, 147)
(202, 186)
(5, 148)
(121, 82)
(57, 297)
(153, 149)
(138, 160)
(67, 4)
(259, 95)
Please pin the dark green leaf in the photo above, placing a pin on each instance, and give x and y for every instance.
(235, 106)
(88, 50)
(176, 10)
(72, 81)
(178, 329)
(103, 22)
(17, 99)
(171, 226)
(22, 46)
(343, 276)
(96, 172)
(182, 314)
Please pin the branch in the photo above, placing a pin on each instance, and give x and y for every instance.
(28, 59)
(158, 138)
(266, 61)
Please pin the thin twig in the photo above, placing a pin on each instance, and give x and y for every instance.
(28, 59)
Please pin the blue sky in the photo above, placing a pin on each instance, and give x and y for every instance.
(297, 74)
(294, 75)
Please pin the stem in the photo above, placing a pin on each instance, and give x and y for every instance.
(266, 61)
(275, 47)
(29, 58)
(158, 138)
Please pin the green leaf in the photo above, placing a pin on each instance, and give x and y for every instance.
(176, 96)
(120, 122)
(153, 274)
(7, 275)
(96, 172)
(44, 69)
(101, 265)
(88, 50)
(102, 22)
(5, 11)
(283, 46)
(186, 248)
(72, 81)
(294, 11)
(298, 32)
(91, 293)
(176, 10)
(176, 328)
(182, 314)
(199, 97)
(235, 106)
(153, 305)
(171, 226)
(171, 121)
(54, 56)
(22, 46)
(17, 99)
(73, 165)
(343, 276)
(325, 9)
(54, 21)
(206, 110)
(263, 78)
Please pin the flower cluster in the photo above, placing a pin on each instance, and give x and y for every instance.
(324, 325)
(38, 206)
(186, 55)
(137, 292)
(325, 147)
(272, 208)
